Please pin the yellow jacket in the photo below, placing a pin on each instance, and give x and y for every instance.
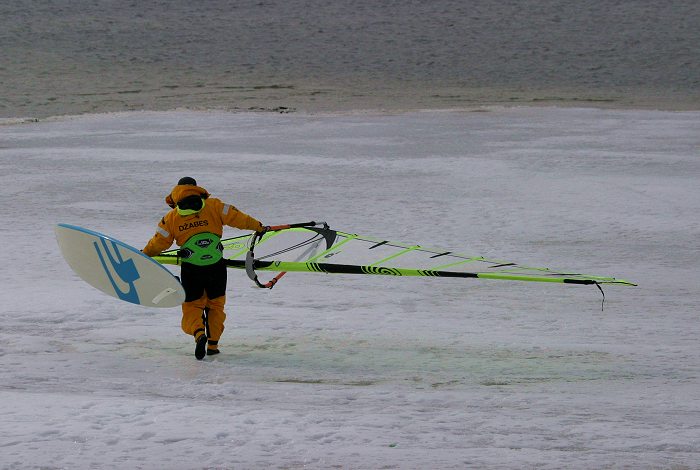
(213, 216)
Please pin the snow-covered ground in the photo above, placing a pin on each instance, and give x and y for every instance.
(359, 371)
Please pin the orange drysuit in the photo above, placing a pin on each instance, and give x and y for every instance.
(205, 286)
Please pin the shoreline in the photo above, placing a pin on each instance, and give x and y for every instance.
(318, 99)
(482, 108)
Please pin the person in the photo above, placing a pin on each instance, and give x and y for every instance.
(195, 222)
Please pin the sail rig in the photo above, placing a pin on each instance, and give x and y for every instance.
(316, 248)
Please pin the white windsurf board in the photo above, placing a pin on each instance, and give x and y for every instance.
(118, 269)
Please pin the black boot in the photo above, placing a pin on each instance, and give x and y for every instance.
(200, 350)
(213, 348)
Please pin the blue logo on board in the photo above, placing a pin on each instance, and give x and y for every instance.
(126, 270)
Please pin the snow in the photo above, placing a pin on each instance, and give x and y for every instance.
(360, 371)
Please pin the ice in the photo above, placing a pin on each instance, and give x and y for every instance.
(362, 371)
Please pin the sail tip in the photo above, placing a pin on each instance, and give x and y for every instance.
(620, 281)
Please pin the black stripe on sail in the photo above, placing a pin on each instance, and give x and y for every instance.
(315, 267)
(501, 265)
(377, 270)
(441, 254)
(579, 281)
(453, 274)
(380, 270)
(379, 244)
(239, 263)
(430, 273)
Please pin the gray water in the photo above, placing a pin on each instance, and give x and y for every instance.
(76, 56)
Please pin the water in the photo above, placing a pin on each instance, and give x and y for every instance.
(76, 56)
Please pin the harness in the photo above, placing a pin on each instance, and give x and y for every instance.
(202, 249)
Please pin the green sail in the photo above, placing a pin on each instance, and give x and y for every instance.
(323, 250)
